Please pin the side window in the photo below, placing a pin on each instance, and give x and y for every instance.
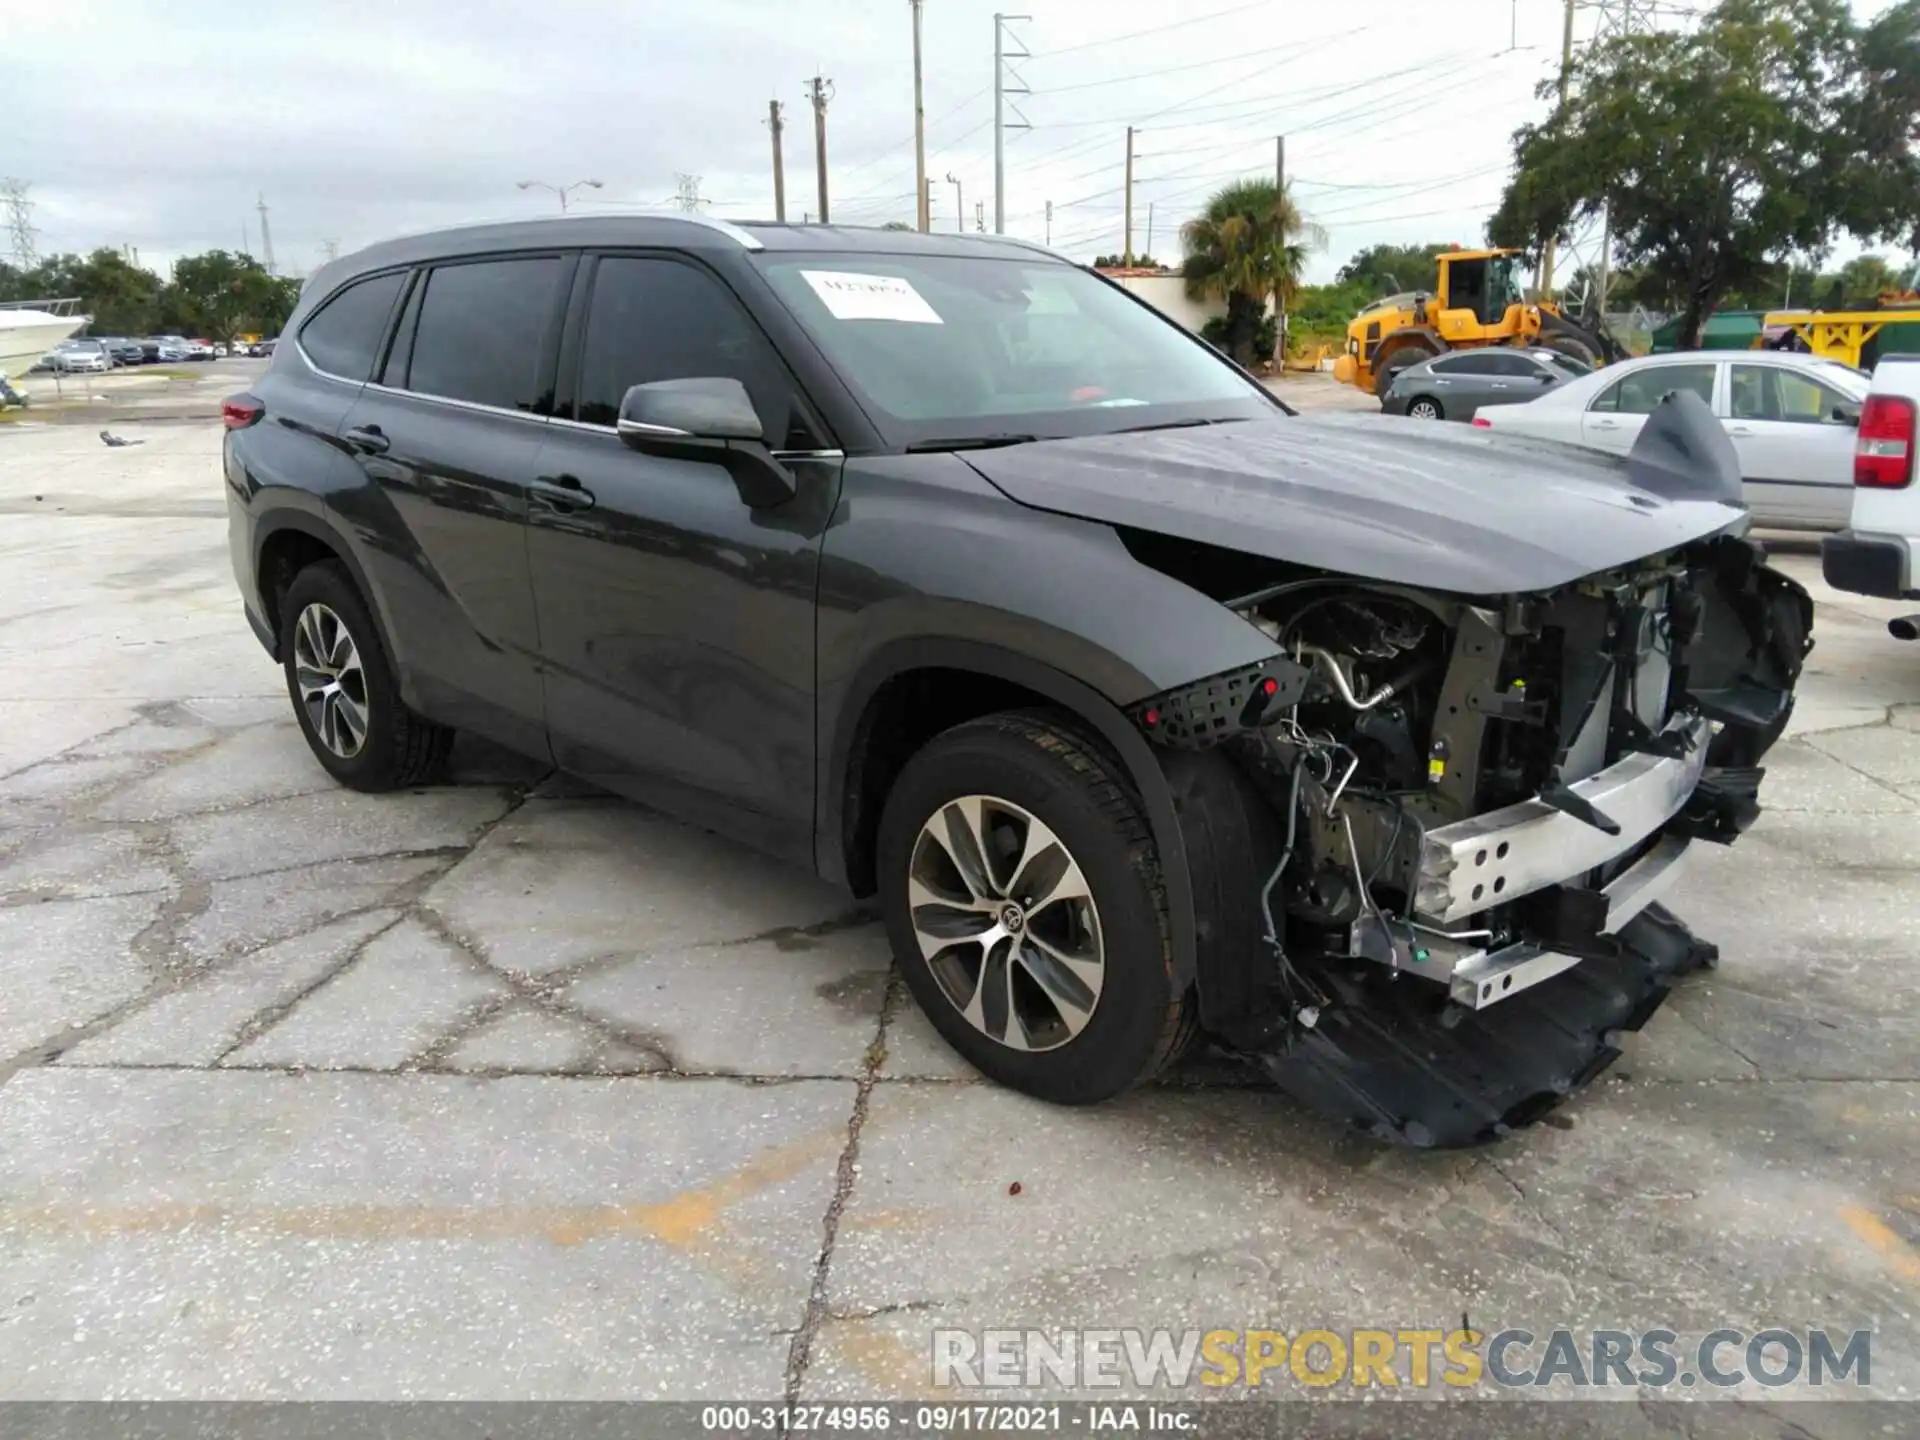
(1638, 393)
(1506, 362)
(482, 329)
(1478, 362)
(343, 336)
(652, 319)
(1801, 400)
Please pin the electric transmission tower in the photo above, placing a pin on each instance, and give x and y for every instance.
(1613, 20)
(687, 197)
(20, 231)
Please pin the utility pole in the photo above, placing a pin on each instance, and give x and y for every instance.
(266, 237)
(1147, 254)
(1566, 70)
(1049, 222)
(778, 126)
(20, 231)
(959, 203)
(923, 203)
(980, 217)
(1126, 247)
(1002, 61)
(819, 92)
(1280, 203)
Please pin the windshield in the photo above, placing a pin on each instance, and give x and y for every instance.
(958, 347)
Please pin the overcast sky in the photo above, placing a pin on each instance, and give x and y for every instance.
(161, 126)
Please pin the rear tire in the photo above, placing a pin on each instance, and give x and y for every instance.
(1071, 1000)
(343, 689)
(1425, 407)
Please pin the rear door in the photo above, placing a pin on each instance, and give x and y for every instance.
(1613, 419)
(1795, 437)
(447, 438)
(676, 622)
(1464, 382)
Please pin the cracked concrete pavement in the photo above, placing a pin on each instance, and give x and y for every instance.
(509, 1089)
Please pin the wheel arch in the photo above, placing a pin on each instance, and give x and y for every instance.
(286, 540)
(857, 775)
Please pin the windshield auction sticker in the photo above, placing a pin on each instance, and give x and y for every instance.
(870, 297)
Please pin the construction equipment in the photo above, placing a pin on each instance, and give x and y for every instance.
(1849, 335)
(1478, 302)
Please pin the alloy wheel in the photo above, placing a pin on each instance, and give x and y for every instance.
(1424, 410)
(1007, 923)
(332, 684)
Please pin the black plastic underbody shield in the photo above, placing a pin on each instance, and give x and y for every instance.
(1397, 1065)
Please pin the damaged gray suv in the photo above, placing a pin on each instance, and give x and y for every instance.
(1145, 708)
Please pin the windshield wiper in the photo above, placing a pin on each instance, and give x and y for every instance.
(1174, 425)
(969, 442)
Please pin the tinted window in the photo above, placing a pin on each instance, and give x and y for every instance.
(345, 333)
(664, 320)
(482, 331)
(1638, 393)
(400, 353)
(1477, 363)
(1507, 362)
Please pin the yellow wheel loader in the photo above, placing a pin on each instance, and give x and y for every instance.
(1478, 302)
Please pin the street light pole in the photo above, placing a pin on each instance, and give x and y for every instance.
(959, 207)
(560, 190)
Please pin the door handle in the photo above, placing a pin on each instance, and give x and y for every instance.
(1606, 424)
(367, 439)
(1739, 430)
(563, 493)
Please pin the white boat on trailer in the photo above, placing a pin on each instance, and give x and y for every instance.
(30, 328)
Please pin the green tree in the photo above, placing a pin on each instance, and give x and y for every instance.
(220, 294)
(1249, 245)
(1763, 132)
(1115, 262)
(1392, 269)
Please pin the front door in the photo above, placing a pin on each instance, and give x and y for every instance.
(1614, 419)
(676, 622)
(449, 437)
(1795, 436)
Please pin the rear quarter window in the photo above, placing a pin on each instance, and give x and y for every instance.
(343, 336)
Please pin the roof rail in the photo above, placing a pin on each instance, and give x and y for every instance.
(746, 239)
(1032, 245)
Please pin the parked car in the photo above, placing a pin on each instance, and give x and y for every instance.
(1143, 706)
(120, 350)
(1791, 419)
(1879, 551)
(170, 349)
(198, 349)
(1454, 386)
(262, 349)
(80, 357)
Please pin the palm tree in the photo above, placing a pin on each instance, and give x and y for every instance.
(1248, 246)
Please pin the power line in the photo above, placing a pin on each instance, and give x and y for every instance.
(1154, 30)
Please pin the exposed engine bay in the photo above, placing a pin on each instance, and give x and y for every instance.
(1442, 825)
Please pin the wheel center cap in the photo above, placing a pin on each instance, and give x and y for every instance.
(1012, 918)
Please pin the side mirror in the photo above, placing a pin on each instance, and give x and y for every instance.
(1547, 377)
(706, 407)
(1847, 414)
(706, 418)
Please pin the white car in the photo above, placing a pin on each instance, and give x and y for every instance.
(1879, 551)
(1792, 419)
(77, 357)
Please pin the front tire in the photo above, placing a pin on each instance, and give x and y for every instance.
(1022, 896)
(1425, 407)
(343, 688)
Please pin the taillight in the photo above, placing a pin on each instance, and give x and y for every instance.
(237, 412)
(1480, 424)
(1883, 457)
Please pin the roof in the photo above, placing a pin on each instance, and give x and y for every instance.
(675, 228)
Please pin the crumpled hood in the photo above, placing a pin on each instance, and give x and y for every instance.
(1442, 506)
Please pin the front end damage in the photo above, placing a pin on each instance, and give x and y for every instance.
(1430, 835)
